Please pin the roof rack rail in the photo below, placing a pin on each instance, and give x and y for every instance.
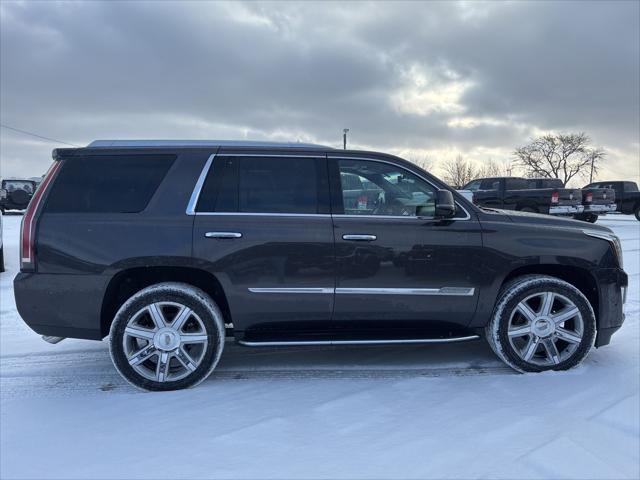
(201, 143)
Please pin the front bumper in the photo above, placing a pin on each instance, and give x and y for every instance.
(566, 209)
(600, 209)
(612, 285)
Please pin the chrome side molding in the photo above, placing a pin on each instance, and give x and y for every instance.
(445, 291)
(291, 290)
(449, 291)
(303, 343)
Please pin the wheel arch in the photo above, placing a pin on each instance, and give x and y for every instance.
(576, 276)
(130, 281)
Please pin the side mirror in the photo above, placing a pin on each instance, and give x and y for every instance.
(445, 206)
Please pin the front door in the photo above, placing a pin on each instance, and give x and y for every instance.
(399, 275)
(262, 227)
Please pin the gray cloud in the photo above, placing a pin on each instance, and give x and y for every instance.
(424, 77)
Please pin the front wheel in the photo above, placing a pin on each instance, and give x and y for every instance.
(166, 337)
(541, 323)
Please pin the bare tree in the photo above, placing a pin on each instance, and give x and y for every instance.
(494, 169)
(458, 172)
(560, 156)
(423, 161)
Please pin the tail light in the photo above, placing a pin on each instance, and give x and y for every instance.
(27, 229)
(588, 198)
(555, 196)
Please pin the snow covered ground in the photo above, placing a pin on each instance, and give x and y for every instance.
(384, 412)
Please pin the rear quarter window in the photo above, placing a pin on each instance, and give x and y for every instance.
(107, 184)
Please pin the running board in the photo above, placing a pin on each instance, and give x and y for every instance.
(301, 343)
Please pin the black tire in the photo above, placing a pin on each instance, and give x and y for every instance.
(516, 291)
(529, 210)
(20, 198)
(205, 310)
(1, 259)
(593, 218)
(637, 213)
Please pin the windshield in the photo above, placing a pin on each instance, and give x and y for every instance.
(13, 185)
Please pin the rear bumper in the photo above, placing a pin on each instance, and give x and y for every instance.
(566, 209)
(61, 305)
(600, 209)
(612, 284)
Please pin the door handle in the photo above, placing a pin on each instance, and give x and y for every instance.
(223, 235)
(359, 238)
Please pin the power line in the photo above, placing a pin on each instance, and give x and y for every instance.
(36, 135)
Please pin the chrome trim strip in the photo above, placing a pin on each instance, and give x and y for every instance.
(250, 214)
(284, 155)
(303, 343)
(223, 235)
(339, 157)
(449, 291)
(291, 290)
(193, 201)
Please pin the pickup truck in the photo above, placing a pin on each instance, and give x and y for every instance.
(627, 195)
(596, 201)
(515, 193)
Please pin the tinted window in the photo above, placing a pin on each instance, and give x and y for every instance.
(382, 189)
(278, 185)
(117, 184)
(490, 184)
(517, 184)
(473, 186)
(220, 190)
(545, 183)
(630, 186)
(13, 185)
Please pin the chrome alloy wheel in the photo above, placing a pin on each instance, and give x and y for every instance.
(165, 341)
(545, 329)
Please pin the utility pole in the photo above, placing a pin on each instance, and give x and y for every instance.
(591, 174)
(344, 137)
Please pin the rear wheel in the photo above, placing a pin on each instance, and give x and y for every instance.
(529, 209)
(637, 213)
(541, 323)
(167, 337)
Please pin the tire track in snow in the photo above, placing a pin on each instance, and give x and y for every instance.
(92, 371)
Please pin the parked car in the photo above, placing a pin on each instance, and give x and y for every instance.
(516, 193)
(168, 247)
(627, 195)
(596, 201)
(16, 193)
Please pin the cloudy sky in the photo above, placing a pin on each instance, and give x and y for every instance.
(416, 79)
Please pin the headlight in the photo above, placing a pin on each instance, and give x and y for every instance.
(611, 238)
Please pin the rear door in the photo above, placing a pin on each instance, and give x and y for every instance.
(262, 227)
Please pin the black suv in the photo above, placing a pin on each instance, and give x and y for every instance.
(169, 247)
